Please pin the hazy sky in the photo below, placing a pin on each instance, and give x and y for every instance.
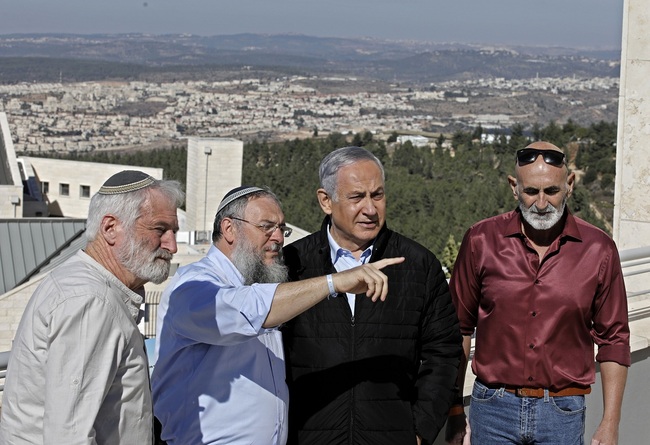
(572, 23)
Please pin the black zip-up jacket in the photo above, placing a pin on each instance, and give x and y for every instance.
(384, 374)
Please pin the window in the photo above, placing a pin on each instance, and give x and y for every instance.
(64, 189)
(84, 191)
(45, 187)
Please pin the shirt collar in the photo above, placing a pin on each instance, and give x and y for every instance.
(337, 251)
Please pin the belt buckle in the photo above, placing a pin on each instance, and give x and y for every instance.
(528, 392)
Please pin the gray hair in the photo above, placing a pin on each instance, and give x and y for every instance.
(127, 207)
(339, 158)
(237, 208)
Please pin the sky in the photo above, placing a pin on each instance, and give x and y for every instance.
(567, 23)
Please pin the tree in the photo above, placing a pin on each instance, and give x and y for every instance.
(478, 132)
(449, 254)
(440, 140)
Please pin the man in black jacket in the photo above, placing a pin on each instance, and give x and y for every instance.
(360, 373)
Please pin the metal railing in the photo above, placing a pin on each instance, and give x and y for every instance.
(4, 361)
(636, 262)
(152, 300)
(631, 260)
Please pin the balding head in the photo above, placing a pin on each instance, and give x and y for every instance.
(543, 145)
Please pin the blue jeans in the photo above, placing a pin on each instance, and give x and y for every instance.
(499, 417)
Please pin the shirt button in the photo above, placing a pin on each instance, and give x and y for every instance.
(531, 346)
(534, 314)
(530, 379)
(538, 282)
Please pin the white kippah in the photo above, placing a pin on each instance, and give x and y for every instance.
(237, 193)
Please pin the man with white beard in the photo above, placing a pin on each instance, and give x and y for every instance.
(78, 371)
(540, 287)
(220, 374)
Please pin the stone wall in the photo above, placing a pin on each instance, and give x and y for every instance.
(12, 306)
(632, 195)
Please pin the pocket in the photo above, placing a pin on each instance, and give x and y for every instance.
(569, 404)
(481, 393)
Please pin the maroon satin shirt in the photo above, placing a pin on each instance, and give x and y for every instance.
(537, 322)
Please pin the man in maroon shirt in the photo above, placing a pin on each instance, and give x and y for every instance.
(540, 287)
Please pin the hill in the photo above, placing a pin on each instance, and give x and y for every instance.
(134, 56)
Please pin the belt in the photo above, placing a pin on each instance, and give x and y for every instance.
(538, 393)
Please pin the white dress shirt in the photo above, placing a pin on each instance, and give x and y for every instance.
(78, 369)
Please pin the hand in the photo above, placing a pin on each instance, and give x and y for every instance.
(606, 434)
(366, 279)
(457, 431)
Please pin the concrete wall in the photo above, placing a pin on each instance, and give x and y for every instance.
(632, 195)
(11, 201)
(222, 169)
(76, 174)
(11, 188)
(12, 306)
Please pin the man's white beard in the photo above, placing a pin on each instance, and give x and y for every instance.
(146, 265)
(544, 220)
(250, 263)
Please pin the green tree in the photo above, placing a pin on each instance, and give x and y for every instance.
(449, 254)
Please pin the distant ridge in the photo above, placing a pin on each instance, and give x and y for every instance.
(403, 61)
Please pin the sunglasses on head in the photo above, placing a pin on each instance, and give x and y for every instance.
(528, 155)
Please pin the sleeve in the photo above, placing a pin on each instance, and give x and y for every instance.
(204, 311)
(610, 328)
(84, 349)
(464, 286)
(441, 348)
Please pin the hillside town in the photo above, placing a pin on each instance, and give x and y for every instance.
(86, 116)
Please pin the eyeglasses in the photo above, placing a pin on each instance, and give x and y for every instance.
(268, 228)
(528, 155)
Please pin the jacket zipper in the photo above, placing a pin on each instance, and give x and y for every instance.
(352, 404)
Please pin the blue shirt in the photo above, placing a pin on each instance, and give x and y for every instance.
(219, 376)
(342, 259)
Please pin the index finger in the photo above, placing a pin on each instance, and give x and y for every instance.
(380, 264)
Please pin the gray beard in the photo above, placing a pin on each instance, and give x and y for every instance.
(149, 266)
(250, 264)
(542, 221)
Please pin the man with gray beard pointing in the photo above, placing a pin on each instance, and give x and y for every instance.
(220, 375)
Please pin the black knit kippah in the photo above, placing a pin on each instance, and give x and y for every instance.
(237, 193)
(126, 181)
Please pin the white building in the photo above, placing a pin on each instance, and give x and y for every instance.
(67, 186)
(417, 141)
(214, 167)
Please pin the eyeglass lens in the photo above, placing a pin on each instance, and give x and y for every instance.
(268, 228)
